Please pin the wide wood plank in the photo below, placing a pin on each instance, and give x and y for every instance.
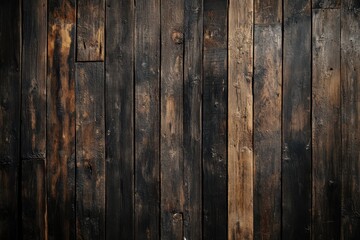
(10, 92)
(90, 151)
(268, 11)
(240, 120)
(33, 121)
(61, 120)
(147, 119)
(296, 122)
(326, 129)
(171, 161)
(215, 120)
(267, 132)
(119, 120)
(90, 30)
(193, 80)
(350, 110)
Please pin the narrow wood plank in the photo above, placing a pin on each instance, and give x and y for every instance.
(193, 80)
(119, 120)
(33, 122)
(267, 132)
(10, 91)
(268, 11)
(240, 120)
(326, 4)
(90, 151)
(90, 30)
(215, 120)
(61, 120)
(326, 127)
(296, 122)
(147, 119)
(171, 158)
(350, 109)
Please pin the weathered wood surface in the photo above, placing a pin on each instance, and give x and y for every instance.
(215, 120)
(10, 103)
(119, 120)
(326, 4)
(147, 119)
(240, 120)
(326, 127)
(90, 151)
(296, 121)
(268, 11)
(267, 132)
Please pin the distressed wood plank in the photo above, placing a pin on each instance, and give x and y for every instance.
(61, 120)
(90, 30)
(147, 119)
(296, 122)
(171, 95)
(350, 93)
(10, 92)
(326, 127)
(268, 11)
(267, 132)
(90, 151)
(326, 4)
(215, 120)
(119, 120)
(193, 81)
(240, 120)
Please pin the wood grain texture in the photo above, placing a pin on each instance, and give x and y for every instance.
(119, 120)
(193, 80)
(267, 132)
(240, 120)
(90, 151)
(10, 103)
(296, 121)
(268, 11)
(215, 120)
(326, 127)
(61, 120)
(330, 4)
(90, 30)
(171, 132)
(350, 110)
(147, 119)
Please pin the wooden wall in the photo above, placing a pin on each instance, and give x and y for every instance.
(180, 119)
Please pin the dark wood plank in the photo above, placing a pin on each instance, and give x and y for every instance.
(90, 151)
(171, 160)
(61, 120)
(326, 4)
(350, 110)
(10, 92)
(119, 120)
(147, 119)
(90, 30)
(33, 121)
(267, 132)
(268, 11)
(240, 120)
(296, 122)
(193, 80)
(326, 127)
(215, 120)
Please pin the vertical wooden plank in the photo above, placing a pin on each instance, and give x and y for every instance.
(326, 132)
(268, 11)
(171, 158)
(10, 91)
(326, 4)
(90, 151)
(215, 120)
(90, 30)
(350, 79)
(240, 120)
(147, 148)
(193, 80)
(119, 120)
(296, 122)
(267, 132)
(33, 122)
(61, 120)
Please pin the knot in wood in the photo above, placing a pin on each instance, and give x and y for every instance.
(177, 37)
